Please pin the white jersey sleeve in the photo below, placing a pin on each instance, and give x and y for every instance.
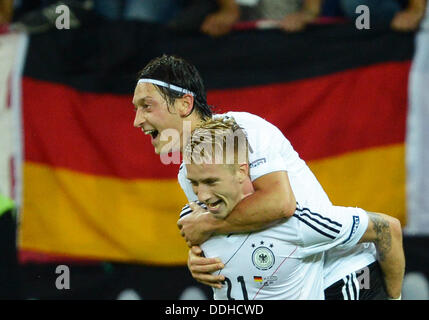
(269, 150)
(185, 184)
(332, 226)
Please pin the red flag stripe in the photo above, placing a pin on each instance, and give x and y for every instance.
(323, 116)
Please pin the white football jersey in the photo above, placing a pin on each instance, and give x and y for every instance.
(284, 262)
(270, 151)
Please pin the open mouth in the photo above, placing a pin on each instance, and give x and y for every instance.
(153, 133)
(214, 205)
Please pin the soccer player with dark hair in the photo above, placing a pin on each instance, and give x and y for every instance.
(170, 93)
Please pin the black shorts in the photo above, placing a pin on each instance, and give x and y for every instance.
(364, 284)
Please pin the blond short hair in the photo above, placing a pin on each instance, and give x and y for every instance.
(219, 140)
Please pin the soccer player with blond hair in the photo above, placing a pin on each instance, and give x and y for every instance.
(284, 261)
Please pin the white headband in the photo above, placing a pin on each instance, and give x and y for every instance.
(167, 85)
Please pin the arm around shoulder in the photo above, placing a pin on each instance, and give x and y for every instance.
(272, 200)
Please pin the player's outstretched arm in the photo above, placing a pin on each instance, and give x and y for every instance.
(386, 233)
(272, 200)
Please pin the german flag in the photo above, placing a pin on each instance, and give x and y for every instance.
(93, 187)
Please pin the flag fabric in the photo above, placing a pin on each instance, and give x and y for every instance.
(417, 137)
(12, 57)
(93, 187)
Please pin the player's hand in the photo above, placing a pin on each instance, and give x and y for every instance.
(219, 23)
(201, 268)
(196, 226)
(407, 20)
(297, 21)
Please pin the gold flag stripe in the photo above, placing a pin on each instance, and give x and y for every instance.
(81, 215)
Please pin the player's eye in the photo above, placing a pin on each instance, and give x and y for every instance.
(194, 183)
(143, 106)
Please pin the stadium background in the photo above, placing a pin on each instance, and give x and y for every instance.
(92, 194)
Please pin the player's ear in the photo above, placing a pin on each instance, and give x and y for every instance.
(185, 105)
(242, 172)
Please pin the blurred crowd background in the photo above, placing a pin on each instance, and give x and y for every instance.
(212, 17)
(76, 187)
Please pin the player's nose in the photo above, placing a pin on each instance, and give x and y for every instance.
(203, 193)
(139, 119)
